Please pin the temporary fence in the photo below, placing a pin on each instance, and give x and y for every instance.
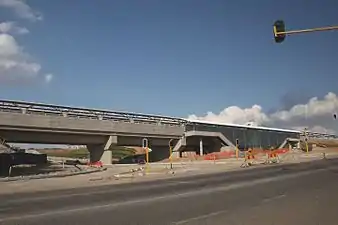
(219, 155)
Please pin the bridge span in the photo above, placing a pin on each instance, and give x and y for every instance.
(27, 122)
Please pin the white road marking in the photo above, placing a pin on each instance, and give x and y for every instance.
(205, 216)
(273, 198)
(199, 192)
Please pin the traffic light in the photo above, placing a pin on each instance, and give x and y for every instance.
(144, 143)
(237, 142)
(279, 31)
(335, 116)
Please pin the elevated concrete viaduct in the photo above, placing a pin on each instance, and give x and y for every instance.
(98, 135)
(25, 122)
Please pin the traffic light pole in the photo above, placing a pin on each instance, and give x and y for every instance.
(305, 30)
(280, 32)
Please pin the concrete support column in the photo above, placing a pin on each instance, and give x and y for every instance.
(102, 152)
(179, 147)
(98, 154)
(201, 147)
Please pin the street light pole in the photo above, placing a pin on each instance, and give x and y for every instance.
(306, 140)
(237, 146)
(170, 153)
(146, 147)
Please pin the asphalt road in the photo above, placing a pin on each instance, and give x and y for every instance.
(300, 194)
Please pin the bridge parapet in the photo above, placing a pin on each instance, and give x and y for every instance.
(85, 113)
(319, 135)
(47, 123)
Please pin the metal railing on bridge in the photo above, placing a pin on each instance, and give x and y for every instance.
(320, 135)
(78, 112)
(128, 117)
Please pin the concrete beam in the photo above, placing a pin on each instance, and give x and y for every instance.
(17, 136)
(69, 124)
(137, 141)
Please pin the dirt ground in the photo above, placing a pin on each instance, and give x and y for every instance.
(117, 174)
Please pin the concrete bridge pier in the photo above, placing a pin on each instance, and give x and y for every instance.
(201, 147)
(102, 152)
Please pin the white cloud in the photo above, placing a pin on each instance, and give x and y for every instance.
(21, 9)
(14, 62)
(48, 77)
(16, 65)
(316, 115)
(11, 27)
(236, 115)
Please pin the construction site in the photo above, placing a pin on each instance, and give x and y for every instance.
(19, 163)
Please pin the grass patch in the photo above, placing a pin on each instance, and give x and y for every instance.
(68, 153)
(122, 152)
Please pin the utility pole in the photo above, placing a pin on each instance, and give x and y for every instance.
(170, 153)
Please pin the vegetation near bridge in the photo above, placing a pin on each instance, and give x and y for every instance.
(119, 152)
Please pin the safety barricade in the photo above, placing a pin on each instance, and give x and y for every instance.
(97, 164)
(249, 159)
(272, 157)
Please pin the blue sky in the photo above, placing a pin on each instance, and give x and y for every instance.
(176, 57)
